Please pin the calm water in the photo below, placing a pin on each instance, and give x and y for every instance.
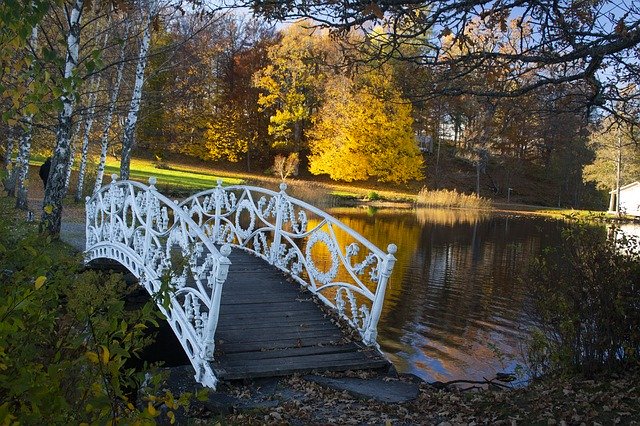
(455, 308)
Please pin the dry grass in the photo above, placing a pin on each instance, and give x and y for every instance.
(449, 217)
(446, 198)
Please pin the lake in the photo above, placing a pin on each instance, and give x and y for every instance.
(455, 307)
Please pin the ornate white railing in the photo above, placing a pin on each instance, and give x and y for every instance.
(316, 249)
(152, 236)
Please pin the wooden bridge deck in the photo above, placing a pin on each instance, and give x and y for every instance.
(269, 327)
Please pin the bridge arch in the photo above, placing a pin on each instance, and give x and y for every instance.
(150, 235)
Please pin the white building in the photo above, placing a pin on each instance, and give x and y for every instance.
(629, 199)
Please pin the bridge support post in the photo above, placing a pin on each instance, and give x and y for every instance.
(216, 280)
(277, 232)
(219, 199)
(149, 219)
(112, 207)
(371, 332)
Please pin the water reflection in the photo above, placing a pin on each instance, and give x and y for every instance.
(454, 306)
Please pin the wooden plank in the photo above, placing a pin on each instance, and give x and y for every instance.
(259, 324)
(308, 359)
(245, 357)
(234, 347)
(300, 366)
(257, 308)
(251, 329)
(276, 335)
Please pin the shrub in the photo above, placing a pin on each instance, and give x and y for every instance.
(373, 196)
(586, 294)
(286, 166)
(446, 198)
(65, 337)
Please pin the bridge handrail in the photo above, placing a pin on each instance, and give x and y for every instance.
(137, 226)
(284, 219)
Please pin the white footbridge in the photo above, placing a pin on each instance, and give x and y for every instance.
(238, 321)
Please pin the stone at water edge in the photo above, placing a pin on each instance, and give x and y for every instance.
(392, 391)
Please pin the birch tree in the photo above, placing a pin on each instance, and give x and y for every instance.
(10, 180)
(55, 191)
(115, 91)
(72, 156)
(24, 149)
(128, 140)
(84, 150)
(8, 155)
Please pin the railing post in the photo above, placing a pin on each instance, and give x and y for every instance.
(371, 333)
(112, 206)
(86, 222)
(275, 246)
(219, 199)
(149, 219)
(217, 278)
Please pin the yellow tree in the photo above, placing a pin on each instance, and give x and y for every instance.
(291, 83)
(365, 131)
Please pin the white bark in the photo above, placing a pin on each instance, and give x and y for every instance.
(104, 139)
(55, 192)
(10, 181)
(88, 124)
(8, 156)
(24, 150)
(72, 156)
(134, 107)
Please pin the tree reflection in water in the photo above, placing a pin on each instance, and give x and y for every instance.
(454, 307)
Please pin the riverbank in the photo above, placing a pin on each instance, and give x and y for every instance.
(319, 399)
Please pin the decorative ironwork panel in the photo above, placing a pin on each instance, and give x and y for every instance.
(344, 269)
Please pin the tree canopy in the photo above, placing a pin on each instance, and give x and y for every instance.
(533, 43)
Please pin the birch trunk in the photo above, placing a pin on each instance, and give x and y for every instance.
(8, 156)
(88, 124)
(85, 141)
(55, 192)
(134, 107)
(72, 156)
(24, 150)
(104, 139)
(10, 181)
(22, 165)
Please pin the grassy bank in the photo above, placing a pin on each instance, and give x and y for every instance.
(184, 176)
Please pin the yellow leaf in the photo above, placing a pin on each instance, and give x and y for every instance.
(96, 388)
(40, 281)
(172, 417)
(31, 109)
(152, 410)
(92, 356)
(105, 354)
(48, 209)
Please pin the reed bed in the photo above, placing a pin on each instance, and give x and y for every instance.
(453, 198)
